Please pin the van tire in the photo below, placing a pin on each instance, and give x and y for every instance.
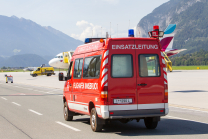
(66, 113)
(94, 121)
(149, 123)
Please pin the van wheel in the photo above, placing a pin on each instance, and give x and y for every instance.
(94, 121)
(149, 123)
(66, 113)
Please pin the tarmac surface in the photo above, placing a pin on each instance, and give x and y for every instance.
(31, 107)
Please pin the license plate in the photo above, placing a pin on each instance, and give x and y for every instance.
(122, 101)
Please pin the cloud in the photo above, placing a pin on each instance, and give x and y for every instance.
(90, 30)
(15, 51)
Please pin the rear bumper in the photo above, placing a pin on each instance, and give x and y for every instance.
(133, 111)
(136, 113)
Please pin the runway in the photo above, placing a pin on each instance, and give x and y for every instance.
(32, 108)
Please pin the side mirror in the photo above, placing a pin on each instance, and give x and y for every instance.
(61, 76)
(65, 78)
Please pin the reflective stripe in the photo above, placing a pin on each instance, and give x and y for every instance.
(104, 79)
(165, 76)
(162, 54)
(105, 62)
(106, 54)
(104, 71)
(164, 69)
(163, 61)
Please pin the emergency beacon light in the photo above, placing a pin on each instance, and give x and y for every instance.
(156, 33)
(89, 40)
(131, 33)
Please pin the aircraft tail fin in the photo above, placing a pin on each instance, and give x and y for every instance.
(167, 40)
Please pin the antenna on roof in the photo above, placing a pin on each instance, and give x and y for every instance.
(110, 28)
(129, 24)
(101, 32)
(117, 30)
(106, 35)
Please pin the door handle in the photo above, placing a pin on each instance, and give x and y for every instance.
(70, 84)
(142, 84)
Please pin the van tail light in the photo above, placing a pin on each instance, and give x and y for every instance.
(166, 93)
(104, 94)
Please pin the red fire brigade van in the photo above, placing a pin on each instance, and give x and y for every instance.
(117, 78)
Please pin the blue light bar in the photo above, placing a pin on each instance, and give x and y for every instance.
(131, 33)
(87, 40)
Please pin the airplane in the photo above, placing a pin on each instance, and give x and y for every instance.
(59, 60)
(167, 41)
(30, 68)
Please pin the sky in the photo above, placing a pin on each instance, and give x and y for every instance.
(83, 18)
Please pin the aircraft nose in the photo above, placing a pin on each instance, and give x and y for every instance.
(52, 62)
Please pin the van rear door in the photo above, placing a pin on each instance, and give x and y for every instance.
(150, 80)
(122, 77)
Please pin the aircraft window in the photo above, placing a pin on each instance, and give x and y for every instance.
(56, 57)
(78, 68)
(149, 65)
(122, 66)
(92, 66)
(61, 56)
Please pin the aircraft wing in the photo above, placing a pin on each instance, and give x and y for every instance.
(173, 52)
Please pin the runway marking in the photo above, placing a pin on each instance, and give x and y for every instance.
(3, 98)
(185, 119)
(35, 112)
(49, 93)
(75, 129)
(16, 103)
(32, 89)
(189, 108)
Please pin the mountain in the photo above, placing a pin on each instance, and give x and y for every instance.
(191, 19)
(25, 60)
(22, 36)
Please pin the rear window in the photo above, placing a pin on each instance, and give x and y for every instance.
(122, 66)
(149, 65)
